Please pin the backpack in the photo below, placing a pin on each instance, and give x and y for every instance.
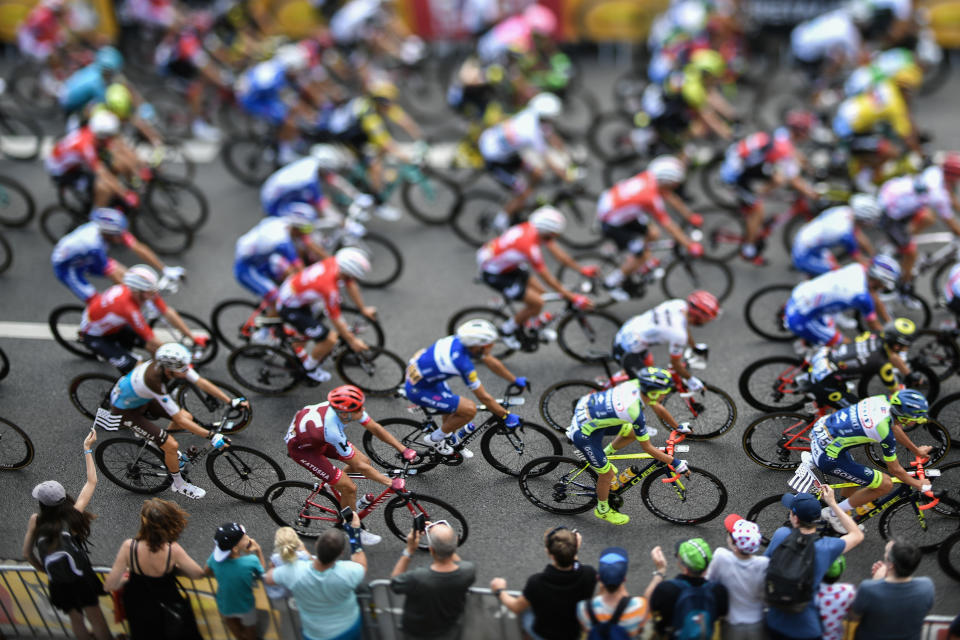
(694, 611)
(608, 629)
(67, 562)
(789, 584)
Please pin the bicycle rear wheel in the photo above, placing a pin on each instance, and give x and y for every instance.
(698, 498)
(167, 195)
(410, 434)
(773, 440)
(509, 450)
(17, 207)
(947, 412)
(386, 261)
(949, 556)
(377, 372)
(764, 312)
(206, 408)
(131, 464)
(163, 230)
(769, 384)
(16, 448)
(243, 473)
(264, 369)
(64, 322)
(573, 280)
(938, 350)
(433, 200)
(926, 529)
(400, 512)
(57, 221)
(580, 210)
(928, 383)
(686, 275)
(711, 413)
(718, 191)
(581, 334)
(166, 332)
(770, 515)
(559, 485)
(20, 137)
(723, 233)
(250, 159)
(90, 391)
(229, 322)
(559, 400)
(287, 503)
(363, 327)
(475, 218)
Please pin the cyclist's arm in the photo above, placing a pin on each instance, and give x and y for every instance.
(184, 420)
(678, 205)
(353, 290)
(897, 471)
(497, 367)
(205, 385)
(648, 447)
(880, 309)
(146, 130)
(562, 256)
(106, 176)
(404, 121)
(555, 284)
(664, 415)
(174, 318)
(715, 123)
(899, 363)
(147, 255)
(904, 440)
(953, 225)
(866, 247)
(718, 103)
(800, 184)
(383, 435)
(490, 402)
(355, 343)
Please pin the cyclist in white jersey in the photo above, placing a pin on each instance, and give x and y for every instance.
(951, 290)
(832, 39)
(835, 228)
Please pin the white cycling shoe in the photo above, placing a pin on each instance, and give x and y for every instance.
(318, 374)
(442, 447)
(189, 490)
(369, 539)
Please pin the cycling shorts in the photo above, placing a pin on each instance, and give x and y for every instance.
(256, 278)
(317, 460)
(632, 363)
(508, 172)
(843, 466)
(272, 109)
(832, 391)
(73, 276)
(303, 320)
(435, 395)
(512, 284)
(898, 231)
(592, 448)
(628, 237)
(954, 305)
(136, 421)
(815, 262)
(813, 329)
(115, 348)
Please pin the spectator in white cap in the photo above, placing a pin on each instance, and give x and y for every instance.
(742, 573)
(236, 562)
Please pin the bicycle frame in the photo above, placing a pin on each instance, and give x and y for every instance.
(336, 518)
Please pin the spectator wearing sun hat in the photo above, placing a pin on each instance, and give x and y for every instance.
(236, 562)
(612, 576)
(742, 573)
(693, 557)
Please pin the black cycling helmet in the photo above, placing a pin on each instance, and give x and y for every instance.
(900, 331)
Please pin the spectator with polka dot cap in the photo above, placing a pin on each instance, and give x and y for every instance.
(742, 573)
(834, 599)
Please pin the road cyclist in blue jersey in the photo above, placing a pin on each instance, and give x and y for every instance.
(839, 227)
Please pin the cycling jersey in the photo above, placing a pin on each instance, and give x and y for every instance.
(316, 434)
(357, 123)
(182, 53)
(510, 35)
(951, 288)
(76, 150)
(757, 150)
(515, 248)
(866, 422)
(40, 33)
(851, 360)
(110, 311)
(161, 13)
(829, 35)
(263, 255)
(84, 251)
(814, 244)
(616, 411)
(824, 295)
(632, 200)
(320, 282)
(518, 133)
(904, 196)
(883, 67)
(84, 87)
(296, 182)
(132, 391)
(881, 104)
(348, 24)
(259, 90)
(444, 359)
(665, 323)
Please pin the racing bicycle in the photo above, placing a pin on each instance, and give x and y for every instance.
(17, 206)
(16, 448)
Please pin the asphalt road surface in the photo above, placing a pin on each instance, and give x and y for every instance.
(505, 530)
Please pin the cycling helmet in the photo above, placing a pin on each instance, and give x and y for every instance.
(950, 165)
(908, 77)
(382, 90)
(546, 105)
(353, 262)
(885, 269)
(548, 220)
(667, 170)
(836, 569)
(173, 356)
(909, 404)
(346, 398)
(109, 221)
(655, 379)
(328, 157)
(118, 100)
(800, 121)
(900, 331)
(104, 124)
(865, 207)
(293, 58)
(708, 61)
(140, 277)
(477, 333)
(703, 307)
(109, 58)
(540, 19)
(861, 12)
(300, 216)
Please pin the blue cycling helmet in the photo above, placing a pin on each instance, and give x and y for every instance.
(109, 221)
(886, 269)
(654, 379)
(910, 404)
(109, 58)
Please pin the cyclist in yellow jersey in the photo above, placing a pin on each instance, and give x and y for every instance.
(700, 89)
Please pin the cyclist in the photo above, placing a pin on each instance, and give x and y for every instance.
(113, 322)
(429, 369)
(146, 387)
(504, 264)
(874, 419)
(898, 64)
(43, 34)
(317, 433)
(625, 209)
(84, 251)
(841, 227)
(119, 100)
(75, 159)
(320, 283)
(89, 84)
(666, 323)
(619, 411)
(855, 286)
(951, 290)
(826, 44)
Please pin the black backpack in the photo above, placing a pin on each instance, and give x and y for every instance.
(694, 611)
(64, 563)
(789, 584)
(609, 629)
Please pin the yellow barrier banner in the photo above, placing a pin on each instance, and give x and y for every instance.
(84, 17)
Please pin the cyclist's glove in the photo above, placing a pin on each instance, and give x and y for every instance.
(683, 427)
(694, 384)
(680, 466)
(398, 484)
(522, 382)
(409, 454)
(913, 379)
(174, 273)
(218, 441)
(589, 271)
(236, 402)
(512, 421)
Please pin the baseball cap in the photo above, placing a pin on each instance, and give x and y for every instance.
(746, 535)
(612, 567)
(227, 537)
(49, 493)
(803, 505)
(694, 553)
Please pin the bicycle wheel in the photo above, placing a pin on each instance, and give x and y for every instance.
(16, 448)
(947, 412)
(409, 433)
(4, 364)
(264, 369)
(949, 482)
(713, 186)
(163, 230)
(133, 465)
(243, 473)
(609, 136)
(926, 529)
(20, 138)
(559, 400)
(905, 305)
(363, 327)
(400, 512)
(559, 485)
(573, 280)
(64, 323)
(386, 261)
(166, 332)
(769, 384)
(938, 350)
(698, 498)
(927, 383)
(475, 218)
(770, 515)
(433, 200)
(497, 317)
(723, 233)
(764, 312)
(581, 334)
(229, 322)
(287, 503)
(930, 433)
(250, 159)
(27, 87)
(508, 450)
(949, 556)
(711, 412)
(377, 372)
(580, 210)
(207, 408)
(776, 440)
(17, 207)
(6, 254)
(165, 195)
(686, 275)
(57, 221)
(90, 391)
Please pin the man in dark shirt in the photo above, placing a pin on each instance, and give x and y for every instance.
(693, 557)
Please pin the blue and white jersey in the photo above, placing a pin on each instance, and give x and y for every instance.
(866, 422)
(444, 359)
(951, 289)
(262, 81)
(82, 246)
(835, 291)
(296, 182)
(270, 237)
(131, 391)
(832, 228)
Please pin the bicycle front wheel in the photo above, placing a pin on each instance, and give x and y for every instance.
(16, 448)
(769, 384)
(229, 321)
(166, 332)
(57, 221)
(400, 512)
(509, 450)
(91, 391)
(206, 408)
(296, 504)
(264, 369)
(949, 556)
(723, 233)
(17, 207)
(64, 324)
(686, 275)
(764, 312)
(165, 195)
(580, 210)
(386, 261)
(930, 433)
(559, 400)
(243, 473)
(559, 485)
(583, 334)
(377, 372)
(947, 411)
(938, 350)
(694, 499)
(133, 465)
(475, 219)
(711, 412)
(927, 383)
(409, 433)
(776, 440)
(250, 159)
(926, 529)
(433, 200)
(163, 230)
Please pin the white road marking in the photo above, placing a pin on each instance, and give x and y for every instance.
(197, 150)
(32, 330)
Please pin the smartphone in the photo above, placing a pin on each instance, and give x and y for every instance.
(420, 522)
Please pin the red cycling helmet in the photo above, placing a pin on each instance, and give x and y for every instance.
(703, 306)
(346, 398)
(951, 166)
(800, 121)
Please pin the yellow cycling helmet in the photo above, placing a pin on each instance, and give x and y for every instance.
(708, 61)
(384, 90)
(119, 100)
(909, 77)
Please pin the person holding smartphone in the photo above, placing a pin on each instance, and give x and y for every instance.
(236, 561)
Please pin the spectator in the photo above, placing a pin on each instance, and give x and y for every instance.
(549, 599)
(893, 604)
(834, 599)
(287, 547)
(436, 595)
(664, 595)
(612, 574)
(742, 573)
(804, 512)
(151, 591)
(236, 562)
(324, 587)
(75, 591)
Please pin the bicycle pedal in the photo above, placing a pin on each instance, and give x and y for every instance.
(452, 461)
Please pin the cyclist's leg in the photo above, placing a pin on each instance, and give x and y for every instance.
(317, 462)
(358, 462)
(457, 411)
(873, 482)
(303, 320)
(73, 278)
(112, 350)
(592, 449)
(513, 286)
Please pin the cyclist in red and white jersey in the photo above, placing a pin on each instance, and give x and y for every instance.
(43, 32)
(76, 156)
(505, 261)
(320, 283)
(318, 433)
(159, 13)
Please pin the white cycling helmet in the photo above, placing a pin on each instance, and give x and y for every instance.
(109, 221)
(477, 333)
(293, 57)
(865, 207)
(885, 269)
(667, 170)
(173, 356)
(104, 124)
(328, 157)
(546, 105)
(300, 216)
(353, 262)
(141, 277)
(548, 220)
